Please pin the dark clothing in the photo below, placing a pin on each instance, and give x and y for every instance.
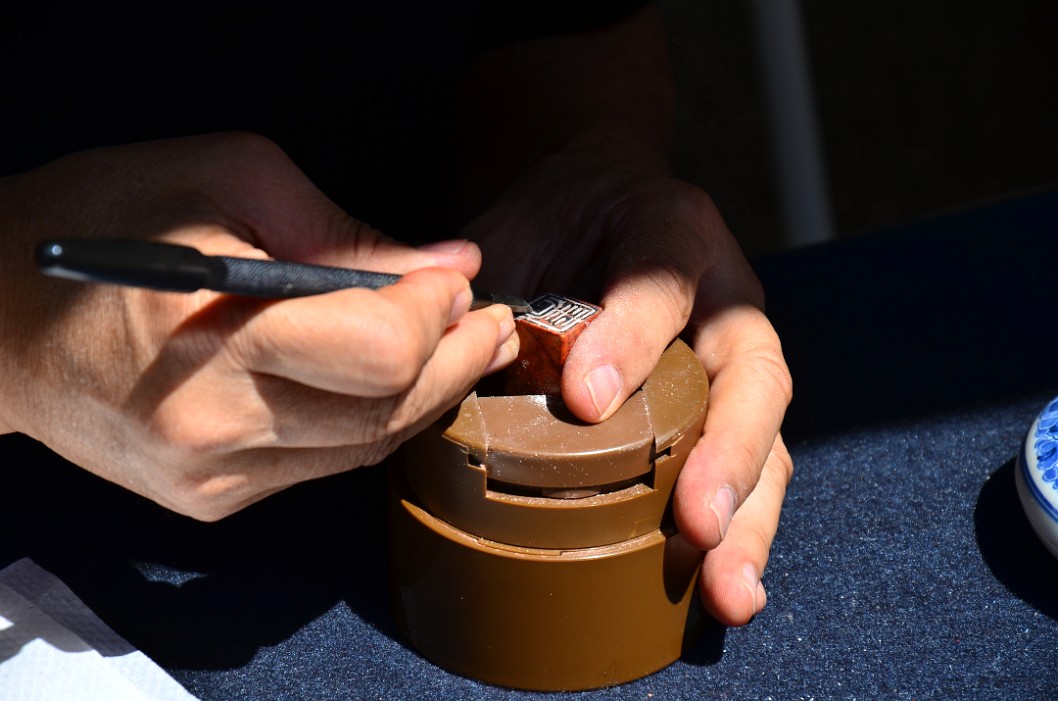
(361, 98)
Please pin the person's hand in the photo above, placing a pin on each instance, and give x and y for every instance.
(656, 254)
(204, 402)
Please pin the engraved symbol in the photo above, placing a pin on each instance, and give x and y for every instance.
(559, 314)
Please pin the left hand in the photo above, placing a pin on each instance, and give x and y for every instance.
(657, 255)
(206, 403)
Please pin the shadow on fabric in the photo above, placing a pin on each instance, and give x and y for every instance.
(709, 648)
(211, 596)
(1010, 547)
(198, 595)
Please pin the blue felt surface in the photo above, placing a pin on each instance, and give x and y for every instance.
(903, 568)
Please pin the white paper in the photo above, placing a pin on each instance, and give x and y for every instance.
(53, 648)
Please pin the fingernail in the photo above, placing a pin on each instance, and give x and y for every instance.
(603, 383)
(449, 247)
(751, 581)
(723, 505)
(460, 305)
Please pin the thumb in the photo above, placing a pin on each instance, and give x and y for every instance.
(619, 349)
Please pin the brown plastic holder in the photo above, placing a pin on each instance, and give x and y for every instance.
(531, 550)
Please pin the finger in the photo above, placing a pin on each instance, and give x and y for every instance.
(460, 255)
(315, 440)
(750, 390)
(373, 251)
(661, 253)
(361, 343)
(301, 416)
(329, 236)
(220, 465)
(730, 579)
(599, 373)
(368, 249)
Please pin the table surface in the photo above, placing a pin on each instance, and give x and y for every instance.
(904, 566)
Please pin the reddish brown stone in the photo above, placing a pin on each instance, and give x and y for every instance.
(546, 334)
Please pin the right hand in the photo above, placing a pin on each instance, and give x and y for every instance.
(206, 403)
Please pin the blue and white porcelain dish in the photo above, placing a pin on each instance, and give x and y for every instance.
(1037, 476)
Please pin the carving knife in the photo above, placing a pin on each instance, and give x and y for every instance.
(174, 268)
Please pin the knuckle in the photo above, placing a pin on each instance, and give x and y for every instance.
(748, 459)
(206, 499)
(366, 240)
(379, 450)
(345, 240)
(772, 371)
(207, 513)
(399, 351)
(782, 458)
(191, 432)
(377, 421)
(675, 288)
(251, 143)
(780, 377)
(396, 372)
(386, 423)
(395, 426)
(196, 488)
(695, 204)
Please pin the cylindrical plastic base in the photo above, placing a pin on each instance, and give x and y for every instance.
(535, 618)
(531, 550)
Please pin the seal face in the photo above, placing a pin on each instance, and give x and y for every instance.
(559, 314)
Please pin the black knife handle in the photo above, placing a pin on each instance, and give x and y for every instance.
(282, 279)
(158, 266)
(175, 268)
